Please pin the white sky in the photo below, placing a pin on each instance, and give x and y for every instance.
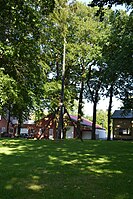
(119, 7)
(103, 104)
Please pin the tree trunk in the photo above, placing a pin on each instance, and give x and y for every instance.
(80, 106)
(80, 114)
(109, 112)
(57, 66)
(60, 124)
(19, 124)
(94, 121)
(8, 120)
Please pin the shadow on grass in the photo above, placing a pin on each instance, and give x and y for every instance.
(70, 169)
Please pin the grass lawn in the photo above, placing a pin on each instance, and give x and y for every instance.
(70, 169)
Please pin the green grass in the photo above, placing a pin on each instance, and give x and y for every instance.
(71, 169)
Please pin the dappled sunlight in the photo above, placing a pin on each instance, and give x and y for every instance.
(34, 184)
(6, 150)
(9, 147)
(34, 187)
(35, 177)
(52, 158)
(69, 162)
(102, 160)
(122, 196)
(37, 167)
(8, 186)
(82, 162)
(61, 150)
(102, 163)
(105, 171)
(11, 183)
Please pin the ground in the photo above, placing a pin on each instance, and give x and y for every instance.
(39, 169)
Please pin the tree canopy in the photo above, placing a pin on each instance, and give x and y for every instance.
(101, 3)
(20, 58)
(98, 55)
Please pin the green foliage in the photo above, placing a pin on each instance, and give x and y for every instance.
(23, 74)
(31, 53)
(117, 53)
(101, 118)
(8, 90)
(52, 94)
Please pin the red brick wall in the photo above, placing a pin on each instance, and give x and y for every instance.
(3, 123)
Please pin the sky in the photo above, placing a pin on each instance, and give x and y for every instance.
(103, 105)
(119, 7)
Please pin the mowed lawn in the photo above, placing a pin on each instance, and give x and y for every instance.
(69, 169)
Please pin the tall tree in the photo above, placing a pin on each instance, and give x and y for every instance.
(117, 52)
(83, 48)
(21, 23)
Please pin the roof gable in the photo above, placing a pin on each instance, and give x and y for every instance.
(85, 122)
(122, 114)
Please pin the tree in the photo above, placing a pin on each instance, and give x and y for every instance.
(8, 95)
(94, 84)
(101, 3)
(95, 76)
(118, 58)
(21, 24)
(78, 23)
(84, 48)
(102, 118)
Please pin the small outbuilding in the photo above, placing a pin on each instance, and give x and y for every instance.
(122, 124)
(86, 126)
(47, 127)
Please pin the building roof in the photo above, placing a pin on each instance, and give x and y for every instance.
(119, 114)
(29, 122)
(85, 122)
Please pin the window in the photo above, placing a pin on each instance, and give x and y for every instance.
(124, 131)
(11, 130)
(3, 129)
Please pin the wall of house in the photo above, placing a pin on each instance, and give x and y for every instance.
(86, 135)
(3, 128)
(122, 129)
(3, 125)
(101, 134)
(70, 132)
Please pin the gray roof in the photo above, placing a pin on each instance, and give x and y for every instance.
(128, 114)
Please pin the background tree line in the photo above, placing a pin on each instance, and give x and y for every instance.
(98, 57)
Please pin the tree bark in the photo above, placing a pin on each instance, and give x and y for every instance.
(109, 112)
(95, 101)
(79, 131)
(60, 124)
(57, 66)
(94, 121)
(8, 120)
(19, 124)
(80, 105)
